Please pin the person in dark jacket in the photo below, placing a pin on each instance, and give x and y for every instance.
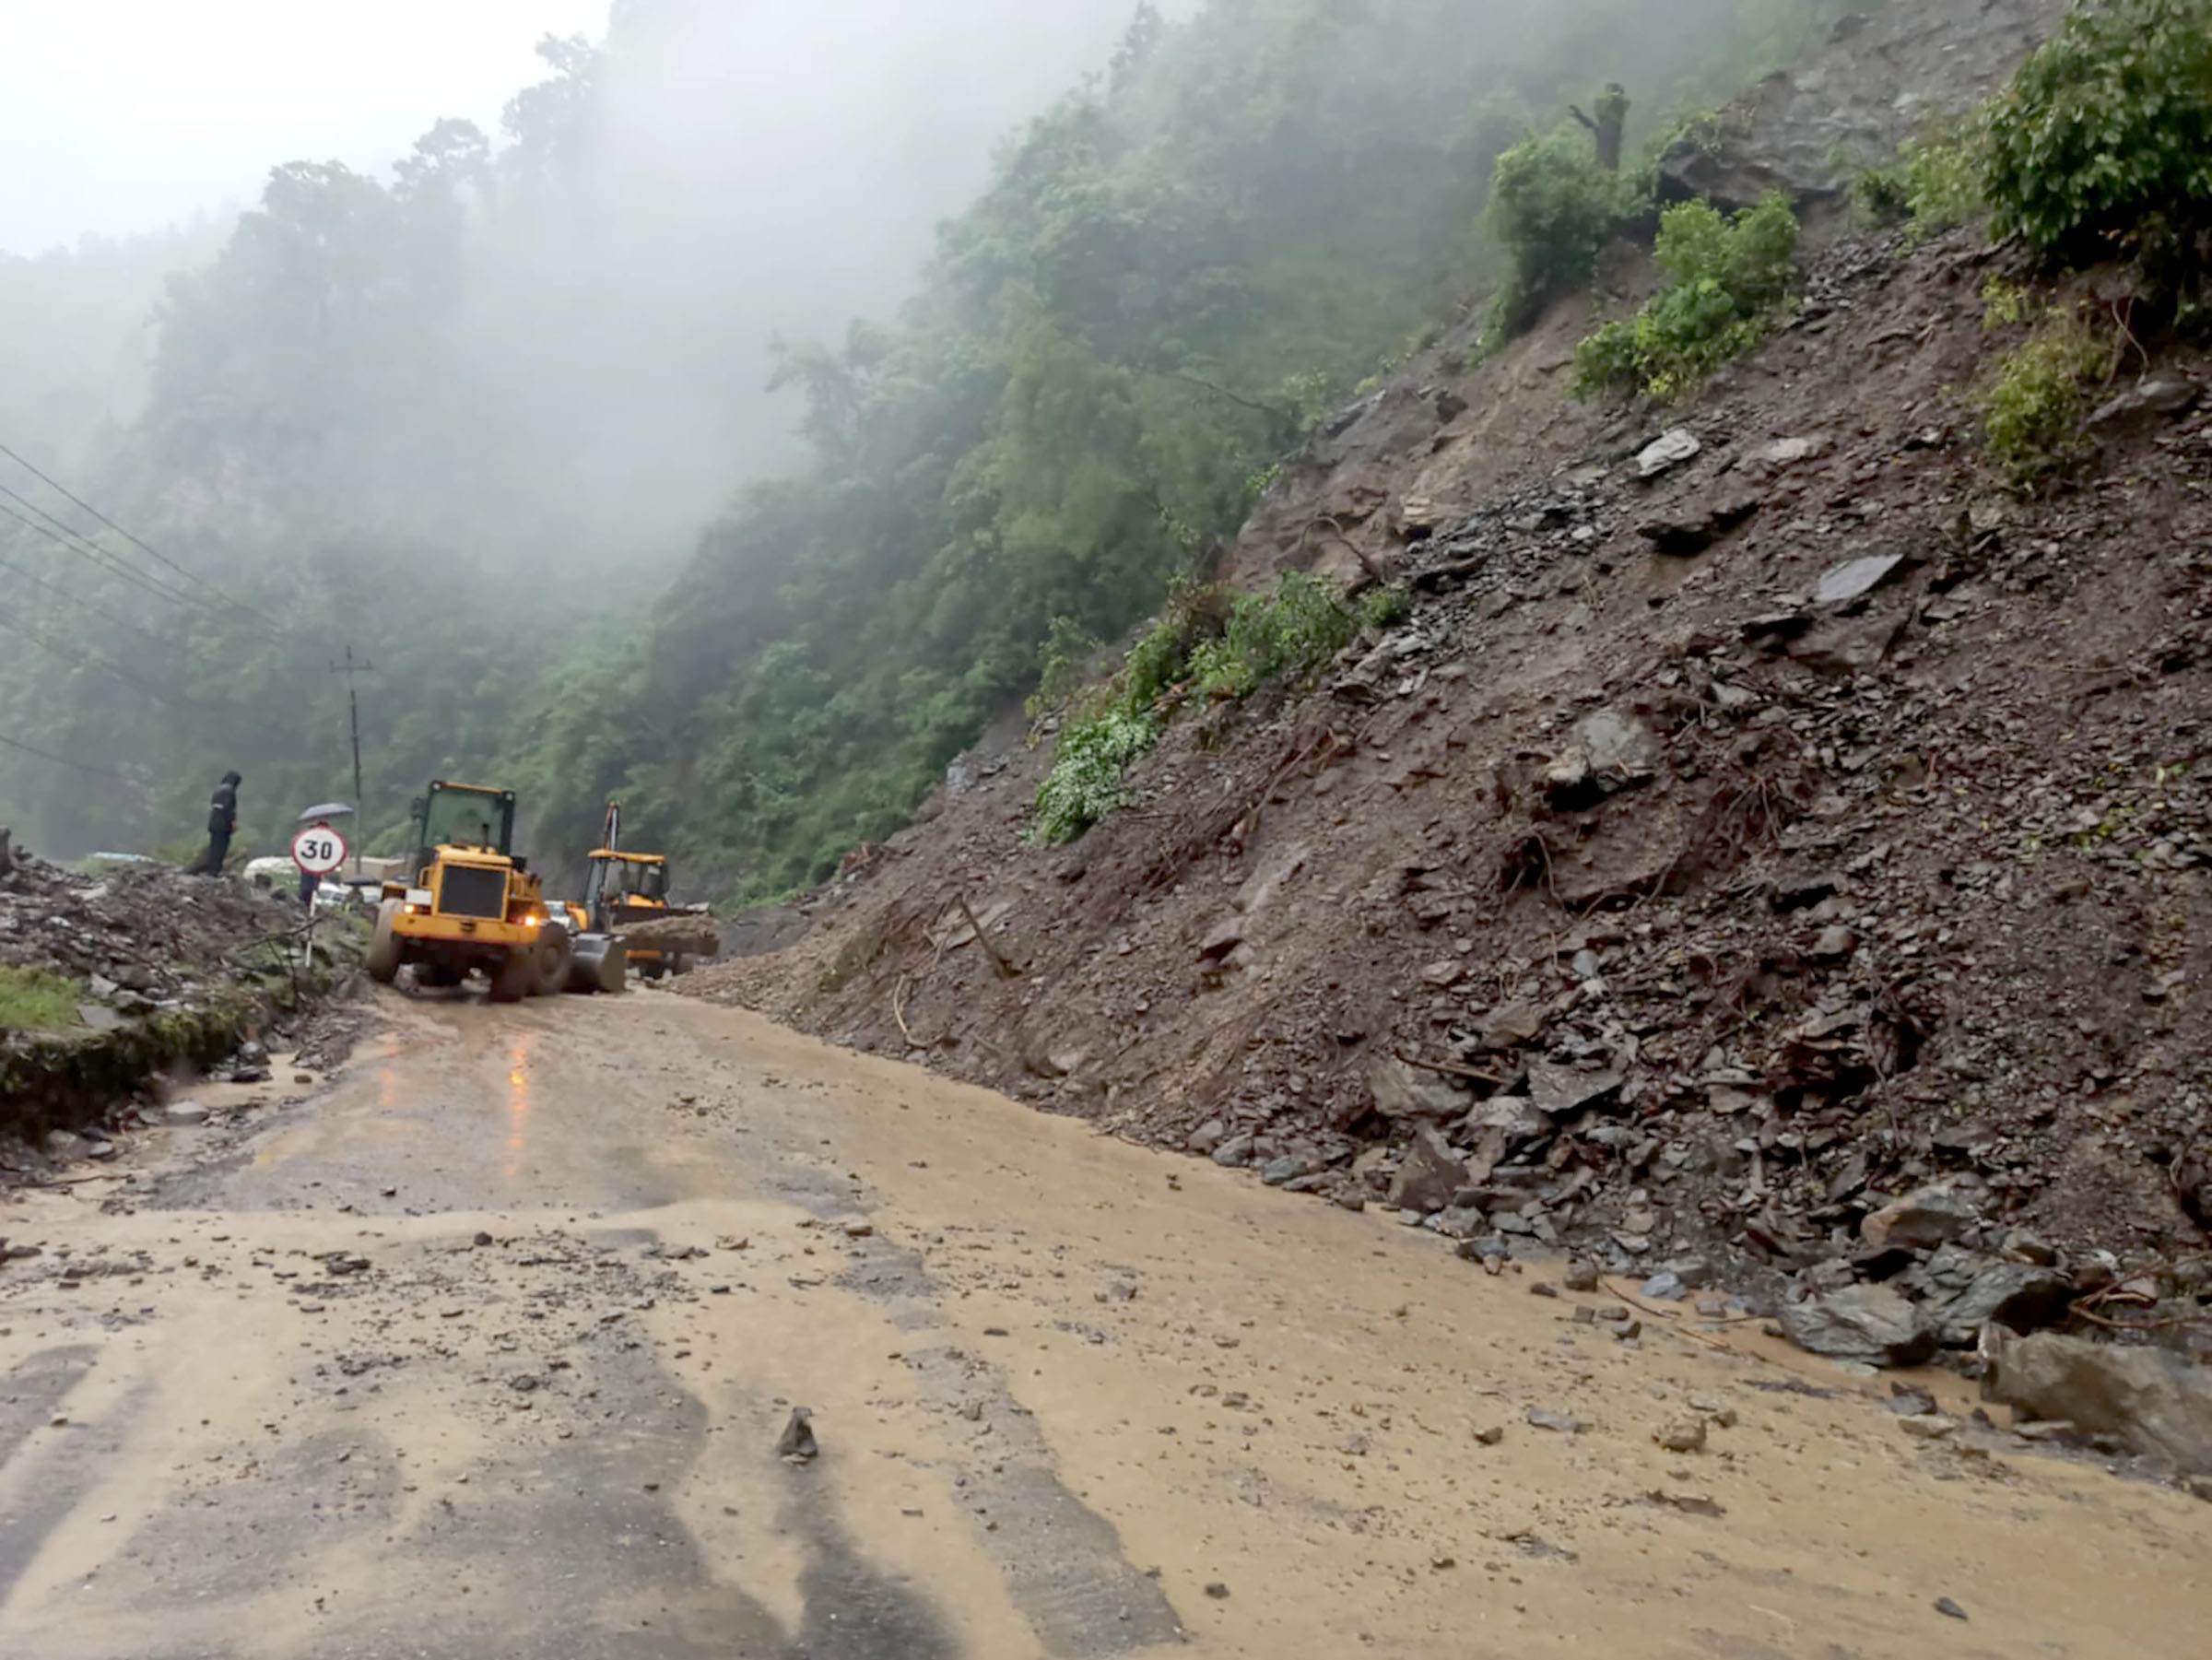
(222, 819)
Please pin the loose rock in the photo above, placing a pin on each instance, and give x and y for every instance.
(1430, 1176)
(1667, 451)
(1872, 1324)
(797, 1444)
(1923, 1220)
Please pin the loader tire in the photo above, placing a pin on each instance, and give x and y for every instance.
(512, 981)
(383, 962)
(550, 961)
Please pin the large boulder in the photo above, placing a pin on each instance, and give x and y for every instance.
(2153, 1402)
(2021, 1296)
(1403, 1092)
(1610, 752)
(1430, 1176)
(1870, 1323)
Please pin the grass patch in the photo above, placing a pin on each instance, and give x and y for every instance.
(1727, 279)
(1085, 784)
(1284, 635)
(33, 999)
(1225, 646)
(2032, 403)
(1933, 185)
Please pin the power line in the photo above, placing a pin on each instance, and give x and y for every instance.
(167, 698)
(61, 536)
(30, 514)
(155, 692)
(62, 760)
(150, 552)
(75, 599)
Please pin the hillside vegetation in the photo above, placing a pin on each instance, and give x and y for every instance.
(1174, 274)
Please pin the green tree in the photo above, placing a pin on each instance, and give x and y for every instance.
(2103, 139)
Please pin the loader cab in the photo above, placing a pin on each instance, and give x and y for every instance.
(624, 887)
(463, 816)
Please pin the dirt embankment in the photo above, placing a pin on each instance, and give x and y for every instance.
(1768, 850)
(109, 979)
(1725, 845)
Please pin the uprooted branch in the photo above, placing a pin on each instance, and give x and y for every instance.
(1000, 965)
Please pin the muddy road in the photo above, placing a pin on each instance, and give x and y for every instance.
(486, 1352)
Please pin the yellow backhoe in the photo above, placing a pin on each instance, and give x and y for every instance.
(625, 894)
(469, 902)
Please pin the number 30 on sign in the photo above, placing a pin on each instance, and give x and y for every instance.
(319, 851)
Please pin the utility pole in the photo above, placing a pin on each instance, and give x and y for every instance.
(351, 669)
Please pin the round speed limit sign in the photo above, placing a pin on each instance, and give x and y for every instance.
(319, 851)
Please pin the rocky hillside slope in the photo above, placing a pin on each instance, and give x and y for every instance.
(1884, 77)
(1766, 849)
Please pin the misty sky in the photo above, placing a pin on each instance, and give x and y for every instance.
(120, 115)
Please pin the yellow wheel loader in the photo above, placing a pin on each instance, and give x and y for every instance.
(625, 894)
(469, 901)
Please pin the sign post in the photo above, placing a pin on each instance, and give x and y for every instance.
(319, 852)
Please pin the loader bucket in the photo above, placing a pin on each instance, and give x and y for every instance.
(600, 964)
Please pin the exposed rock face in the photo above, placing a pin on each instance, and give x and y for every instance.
(1689, 905)
(2154, 1402)
(1805, 131)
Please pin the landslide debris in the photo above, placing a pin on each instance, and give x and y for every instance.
(1692, 908)
(109, 978)
(1768, 850)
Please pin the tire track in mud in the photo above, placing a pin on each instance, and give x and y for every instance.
(557, 1517)
(1063, 1562)
(555, 1536)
